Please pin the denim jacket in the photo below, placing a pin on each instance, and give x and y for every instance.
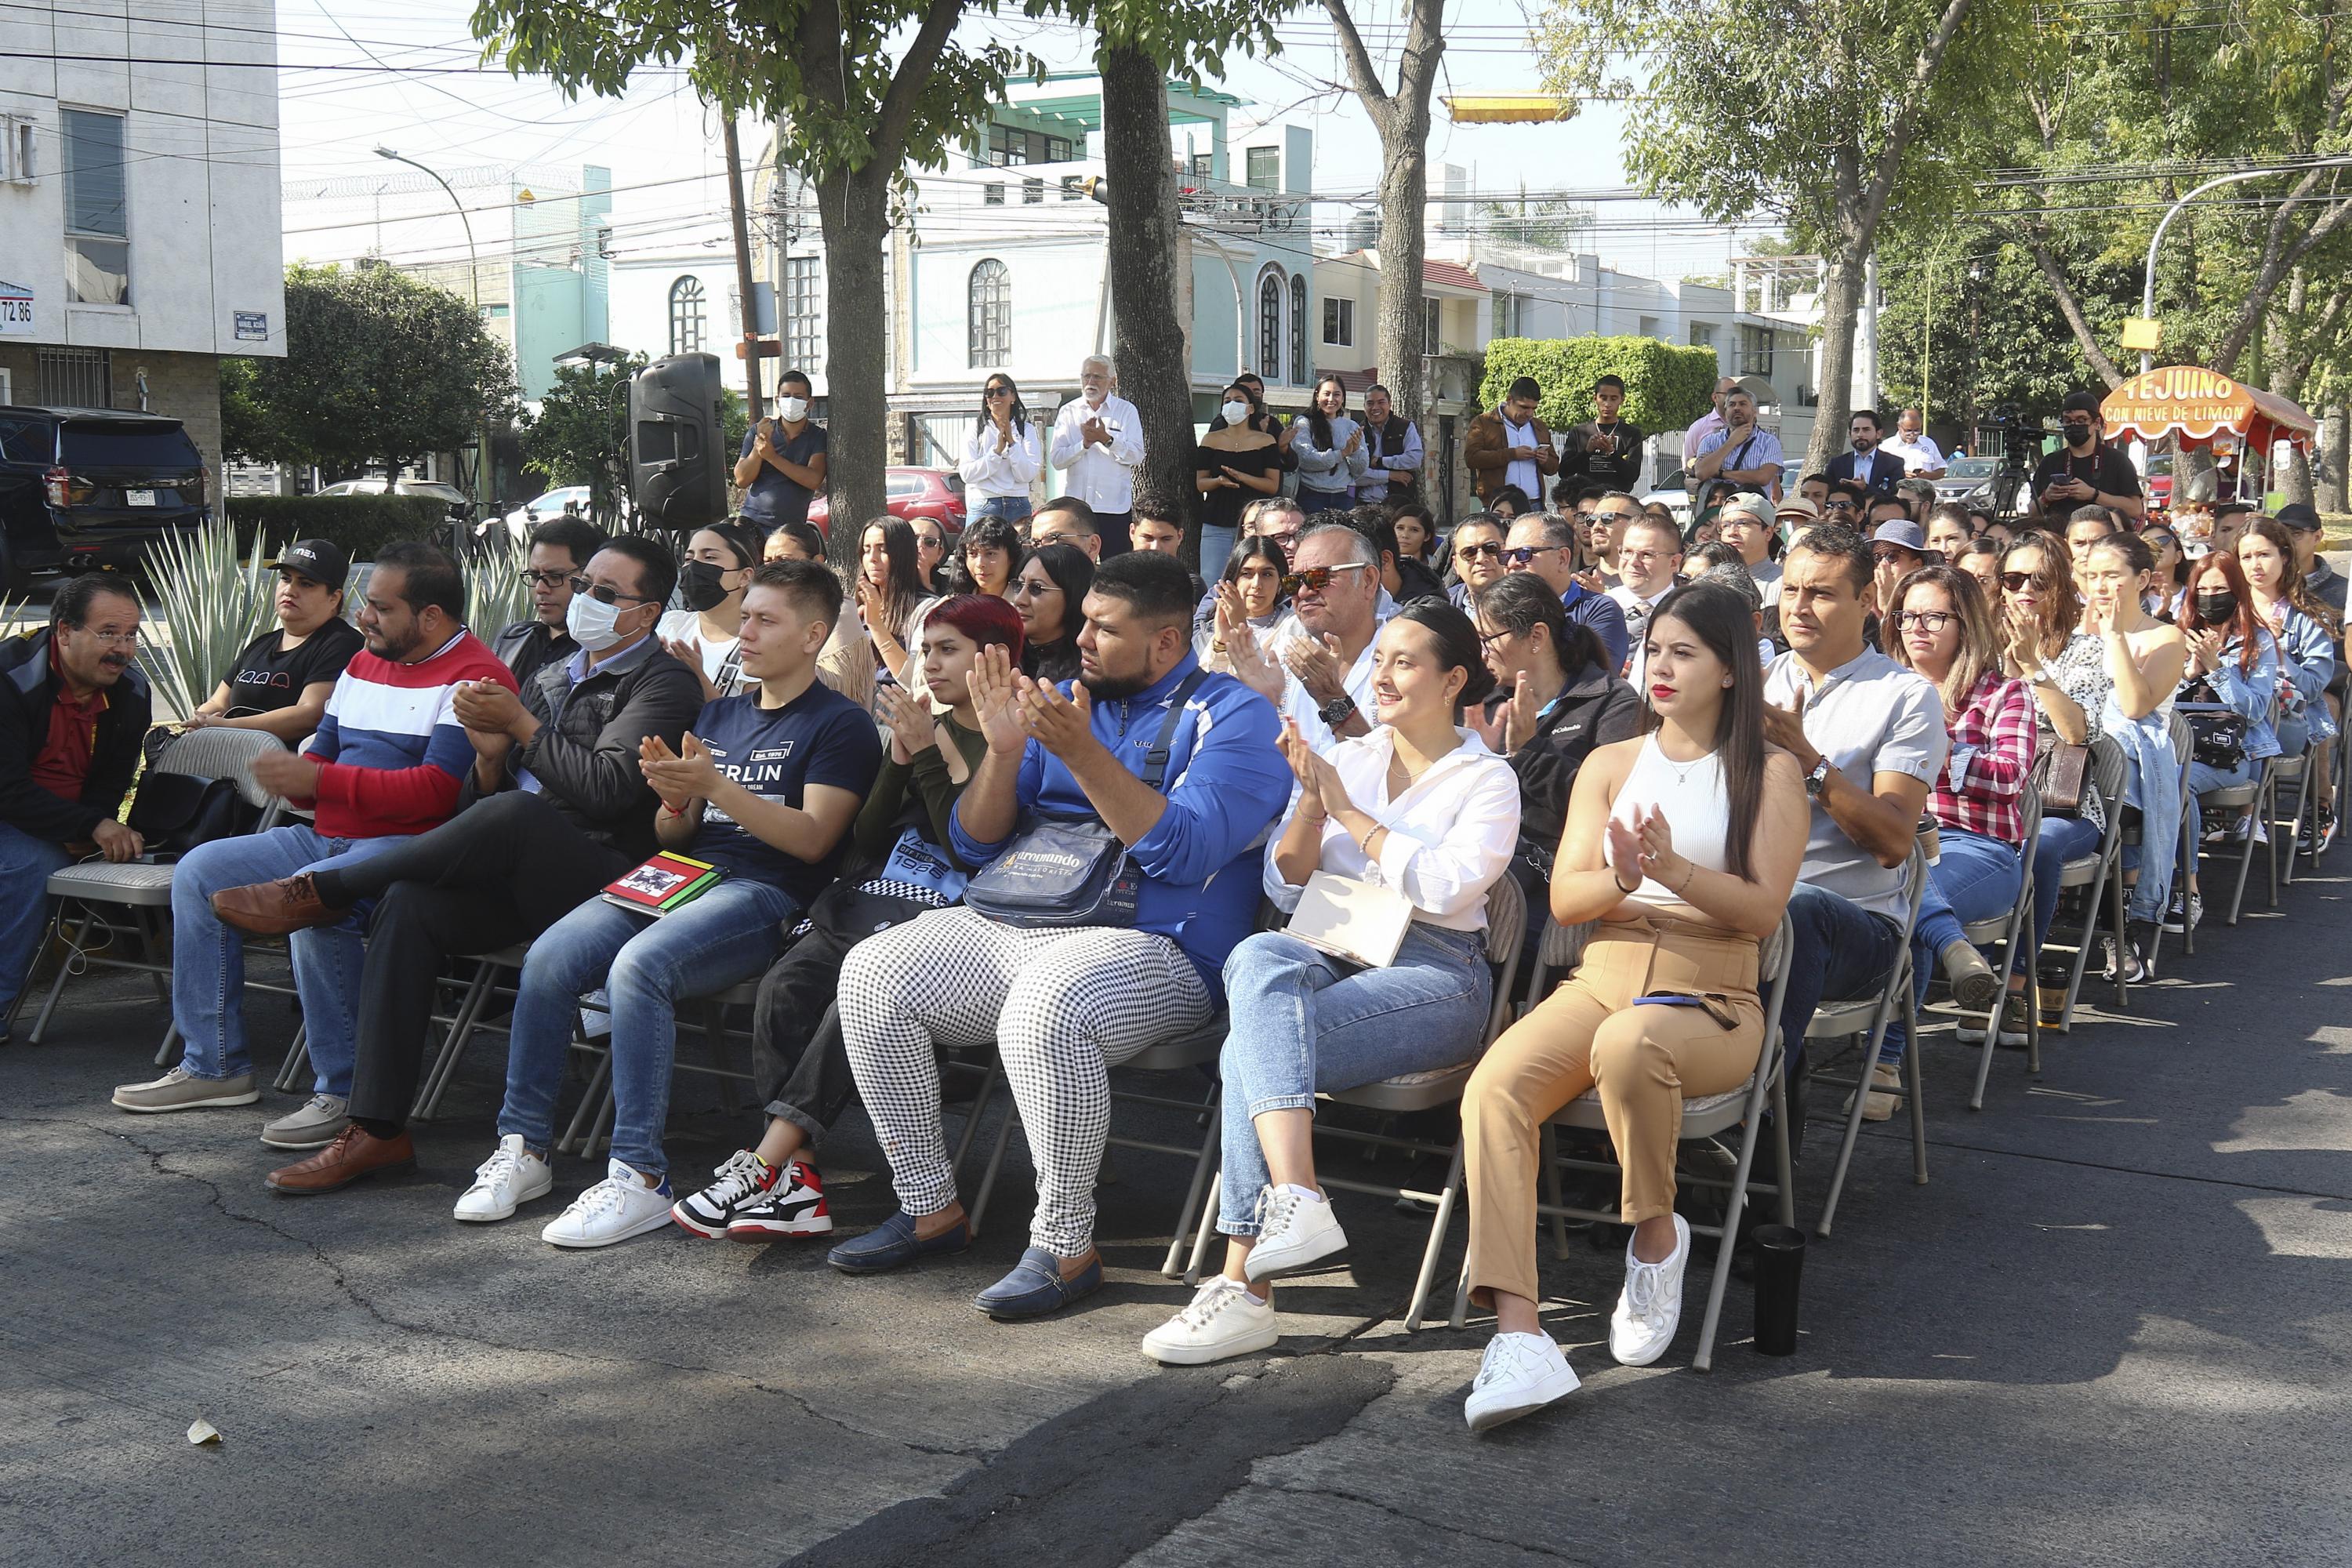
(2248, 694)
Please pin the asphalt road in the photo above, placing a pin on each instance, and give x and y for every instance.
(2113, 1329)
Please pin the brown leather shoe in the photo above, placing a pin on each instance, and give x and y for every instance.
(274, 909)
(357, 1153)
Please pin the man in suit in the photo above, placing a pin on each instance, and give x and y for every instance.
(1879, 470)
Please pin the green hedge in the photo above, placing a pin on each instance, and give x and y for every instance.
(1666, 387)
(359, 524)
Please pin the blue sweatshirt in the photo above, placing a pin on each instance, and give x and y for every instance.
(1226, 783)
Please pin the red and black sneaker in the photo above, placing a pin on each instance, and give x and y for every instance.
(793, 1207)
(744, 1178)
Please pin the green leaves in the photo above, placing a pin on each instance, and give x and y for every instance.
(1666, 387)
(580, 434)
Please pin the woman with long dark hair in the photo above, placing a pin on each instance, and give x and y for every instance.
(890, 596)
(1684, 845)
(2232, 661)
(712, 580)
(1235, 463)
(1418, 808)
(1050, 594)
(1250, 591)
(988, 557)
(1330, 450)
(1001, 458)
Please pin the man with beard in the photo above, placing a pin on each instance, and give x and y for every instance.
(73, 708)
(1865, 462)
(2086, 471)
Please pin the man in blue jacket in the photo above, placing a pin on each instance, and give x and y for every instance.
(1065, 1004)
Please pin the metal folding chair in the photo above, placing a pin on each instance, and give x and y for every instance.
(2184, 749)
(2014, 934)
(2101, 876)
(1867, 1017)
(2253, 798)
(590, 1129)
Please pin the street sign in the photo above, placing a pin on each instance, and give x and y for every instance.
(2143, 333)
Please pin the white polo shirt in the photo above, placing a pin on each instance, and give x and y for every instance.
(1868, 716)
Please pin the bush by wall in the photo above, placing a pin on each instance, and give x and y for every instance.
(1666, 387)
(358, 524)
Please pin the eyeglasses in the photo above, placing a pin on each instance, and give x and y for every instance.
(1315, 579)
(1488, 639)
(604, 595)
(1492, 550)
(1526, 553)
(1582, 516)
(544, 579)
(113, 639)
(1831, 506)
(1929, 621)
(998, 392)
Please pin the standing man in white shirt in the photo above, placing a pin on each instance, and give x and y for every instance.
(1098, 443)
(1922, 458)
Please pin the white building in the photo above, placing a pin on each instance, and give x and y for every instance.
(140, 231)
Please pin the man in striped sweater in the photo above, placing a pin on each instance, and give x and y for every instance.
(387, 763)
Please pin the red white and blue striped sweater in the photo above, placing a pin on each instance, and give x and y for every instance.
(391, 752)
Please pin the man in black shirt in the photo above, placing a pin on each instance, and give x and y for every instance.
(2086, 471)
(559, 551)
(1605, 450)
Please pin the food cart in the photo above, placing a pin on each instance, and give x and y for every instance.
(2195, 409)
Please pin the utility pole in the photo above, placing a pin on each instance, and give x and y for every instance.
(743, 286)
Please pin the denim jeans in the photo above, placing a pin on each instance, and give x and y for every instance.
(1842, 952)
(1304, 1021)
(2204, 777)
(1311, 502)
(26, 863)
(208, 958)
(647, 965)
(1013, 508)
(2062, 839)
(1974, 878)
(1216, 546)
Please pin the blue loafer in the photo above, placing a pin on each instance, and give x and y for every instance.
(893, 1244)
(1035, 1288)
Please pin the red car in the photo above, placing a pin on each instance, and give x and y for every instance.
(909, 493)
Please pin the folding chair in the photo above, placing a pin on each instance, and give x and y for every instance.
(1867, 1017)
(2253, 798)
(2101, 874)
(473, 1001)
(2013, 933)
(2290, 776)
(591, 1128)
(144, 889)
(2184, 749)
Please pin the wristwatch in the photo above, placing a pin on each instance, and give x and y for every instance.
(1335, 712)
(1819, 778)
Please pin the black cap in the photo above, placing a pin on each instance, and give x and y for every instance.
(320, 560)
(2082, 402)
(2298, 516)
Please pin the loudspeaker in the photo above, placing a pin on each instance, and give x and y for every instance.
(677, 470)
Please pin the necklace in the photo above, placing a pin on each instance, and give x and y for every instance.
(1683, 770)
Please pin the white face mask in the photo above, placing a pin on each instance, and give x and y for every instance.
(1236, 413)
(793, 409)
(592, 622)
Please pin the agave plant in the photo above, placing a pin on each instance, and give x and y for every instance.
(496, 593)
(212, 604)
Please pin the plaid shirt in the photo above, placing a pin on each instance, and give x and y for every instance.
(1992, 756)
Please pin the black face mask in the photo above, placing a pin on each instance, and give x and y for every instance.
(2078, 435)
(699, 583)
(2218, 608)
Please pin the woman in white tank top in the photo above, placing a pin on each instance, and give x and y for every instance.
(1684, 845)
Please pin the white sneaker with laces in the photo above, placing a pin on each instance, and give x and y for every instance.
(1650, 1306)
(1521, 1374)
(743, 1178)
(1224, 1320)
(512, 1175)
(614, 1209)
(1296, 1230)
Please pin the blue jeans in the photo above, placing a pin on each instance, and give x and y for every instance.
(1304, 1021)
(1311, 502)
(26, 863)
(1013, 508)
(1216, 546)
(1974, 878)
(1842, 952)
(2062, 839)
(2204, 777)
(647, 965)
(208, 958)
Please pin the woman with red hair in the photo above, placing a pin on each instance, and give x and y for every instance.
(2233, 662)
(900, 865)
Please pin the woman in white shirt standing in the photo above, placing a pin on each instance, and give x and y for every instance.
(1684, 845)
(1421, 808)
(999, 460)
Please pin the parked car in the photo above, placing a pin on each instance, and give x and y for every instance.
(373, 486)
(1969, 480)
(541, 509)
(909, 493)
(2155, 481)
(84, 488)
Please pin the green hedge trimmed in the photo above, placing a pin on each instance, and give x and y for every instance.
(358, 524)
(1666, 387)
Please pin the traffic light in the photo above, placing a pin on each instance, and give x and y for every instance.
(678, 469)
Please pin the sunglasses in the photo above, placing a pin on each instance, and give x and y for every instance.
(998, 392)
(1829, 506)
(1887, 553)
(2015, 582)
(1492, 550)
(1929, 621)
(1526, 553)
(1317, 578)
(604, 595)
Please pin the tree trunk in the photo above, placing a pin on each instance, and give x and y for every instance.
(1149, 347)
(1401, 335)
(1840, 297)
(854, 210)
(2332, 429)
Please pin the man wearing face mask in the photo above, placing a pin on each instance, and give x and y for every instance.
(555, 807)
(2086, 470)
(782, 466)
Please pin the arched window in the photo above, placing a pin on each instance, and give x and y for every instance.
(988, 315)
(1299, 372)
(1269, 324)
(686, 325)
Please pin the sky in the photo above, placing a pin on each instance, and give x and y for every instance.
(662, 146)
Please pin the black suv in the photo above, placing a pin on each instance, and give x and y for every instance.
(91, 487)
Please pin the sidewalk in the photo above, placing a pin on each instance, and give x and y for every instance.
(2113, 1329)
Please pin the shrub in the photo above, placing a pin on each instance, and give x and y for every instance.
(1666, 387)
(356, 524)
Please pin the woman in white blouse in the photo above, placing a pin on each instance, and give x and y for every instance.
(1423, 810)
(999, 460)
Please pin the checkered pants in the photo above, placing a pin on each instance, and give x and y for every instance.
(1063, 1007)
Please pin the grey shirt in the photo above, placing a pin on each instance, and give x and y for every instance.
(1869, 716)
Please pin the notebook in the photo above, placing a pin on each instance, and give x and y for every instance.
(664, 884)
(1361, 921)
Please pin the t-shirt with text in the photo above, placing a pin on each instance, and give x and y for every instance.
(818, 738)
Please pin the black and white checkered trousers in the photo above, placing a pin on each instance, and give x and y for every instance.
(1063, 1007)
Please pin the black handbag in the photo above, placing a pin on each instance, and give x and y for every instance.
(1064, 872)
(2219, 735)
(173, 812)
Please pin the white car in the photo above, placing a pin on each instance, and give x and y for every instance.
(449, 495)
(541, 509)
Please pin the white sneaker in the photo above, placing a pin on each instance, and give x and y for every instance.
(1521, 1374)
(512, 1175)
(614, 1209)
(1651, 1305)
(1296, 1230)
(1224, 1320)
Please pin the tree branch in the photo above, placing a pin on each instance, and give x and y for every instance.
(1360, 68)
(2071, 309)
(907, 83)
(1906, 123)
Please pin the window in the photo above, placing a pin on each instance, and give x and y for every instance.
(688, 323)
(1058, 150)
(1006, 145)
(988, 315)
(992, 196)
(97, 225)
(1340, 322)
(75, 378)
(1299, 328)
(1032, 192)
(1074, 188)
(1265, 168)
(1509, 311)
(1204, 166)
(1702, 334)
(495, 312)
(1433, 326)
(1269, 324)
(804, 311)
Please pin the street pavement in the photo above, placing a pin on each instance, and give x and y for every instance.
(2115, 1329)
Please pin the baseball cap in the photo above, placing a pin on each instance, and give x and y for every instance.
(1798, 506)
(2082, 402)
(320, 560)
(1749, 502)
(1901, 530)
(2298, 516)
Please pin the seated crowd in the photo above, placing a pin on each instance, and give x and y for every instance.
(1038, 787)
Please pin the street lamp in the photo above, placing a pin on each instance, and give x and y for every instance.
(2147, 284)
(474, 288)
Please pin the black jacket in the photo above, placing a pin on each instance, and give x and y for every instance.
(1885, 469)
(585, 753)
(526, 645)
(1597, 708)
(28, 689)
